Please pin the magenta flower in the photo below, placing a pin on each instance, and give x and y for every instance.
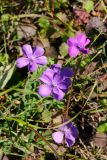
(56, 81)
(66, 134)
(31, 58)
(78, 44)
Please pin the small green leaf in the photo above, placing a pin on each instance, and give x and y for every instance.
(63, 49)
(46, 115)
(62, 17)
(31, 136)
(102, 127)
(83, 63)
(40, 108)
(43, 22)
(88, 5)
(3, 59)
(103, 102)
(5, 17)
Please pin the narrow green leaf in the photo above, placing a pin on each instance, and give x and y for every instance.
(6, 74)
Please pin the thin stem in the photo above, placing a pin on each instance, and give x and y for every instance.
(52, 8)
(10, 89)
(32, 127)
(68, 103)
(71, 90)
(39, 135)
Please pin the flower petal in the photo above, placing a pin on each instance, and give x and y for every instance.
(81, 38)
(32, 66)
(74, 131)
(72, 41)
(70, 140)
(69, 125)
(27, 50)
(57, 93)
(44, 78)
(87, 42)
(22, 62)
(57, 78)
(70, 128)
(84, 50)
(67, 72)
(64, 85)
(58, 136)
(73, 51)
(47, 76)
(44, 90)
(41, 60)
(38, 51)
(56, 67)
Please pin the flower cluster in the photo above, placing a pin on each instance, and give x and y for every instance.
(78, 44)
(56, 81)
(31, 58)
(67, 133)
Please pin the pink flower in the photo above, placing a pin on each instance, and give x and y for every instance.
(31, 58)
(67, 133)
(78, 44)
(56, 81)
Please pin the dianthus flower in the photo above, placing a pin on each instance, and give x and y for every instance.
(78, 44)
(31, 58)
(66, 134)
(56, 81)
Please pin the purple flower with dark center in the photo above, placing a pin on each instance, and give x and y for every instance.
(56, 81)
(31, 58)
(66, 134)
(78, 44)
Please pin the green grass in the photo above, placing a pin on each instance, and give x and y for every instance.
(27, 119)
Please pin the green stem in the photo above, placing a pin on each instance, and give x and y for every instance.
(11, 89)
(39, 135)
(34, 128)
(71, 90)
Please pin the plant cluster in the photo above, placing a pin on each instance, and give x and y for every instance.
(53, 80)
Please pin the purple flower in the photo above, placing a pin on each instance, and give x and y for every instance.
(31, 58)
(77, 44)
(67, 133)
(56, 81)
